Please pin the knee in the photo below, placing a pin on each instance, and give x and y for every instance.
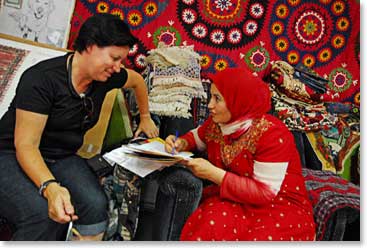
(93, 208)
(174, 179)
(98, 202)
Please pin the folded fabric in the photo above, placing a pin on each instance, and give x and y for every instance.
(299, 115)
(296, 84)
(335, 201)
(310, 78)
(173, 79)
(166, 56)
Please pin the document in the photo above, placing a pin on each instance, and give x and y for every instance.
(144, 157)
(155, 147)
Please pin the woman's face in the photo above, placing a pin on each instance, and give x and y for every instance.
(104, 61)
(217, 107)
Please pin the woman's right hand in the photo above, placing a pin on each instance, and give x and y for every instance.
(177, 145)
(59, 204)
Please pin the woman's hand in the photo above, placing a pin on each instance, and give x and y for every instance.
(175, 144)
(59, 205)
(148, 127)
(204, 169)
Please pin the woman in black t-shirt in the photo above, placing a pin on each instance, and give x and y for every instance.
(44, 185)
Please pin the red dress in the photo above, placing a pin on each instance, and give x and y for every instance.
(262, 196)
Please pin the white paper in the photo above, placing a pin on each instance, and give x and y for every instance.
(136, 165)
(157, 148)
(127, 157)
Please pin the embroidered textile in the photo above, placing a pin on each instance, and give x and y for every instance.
(173, 77)
(334, 148)
(247, 34)
(238, 208)
(283, 76)
(299, 115)
(247, 141)
(164, 57)
(330, 195)
(10, 60)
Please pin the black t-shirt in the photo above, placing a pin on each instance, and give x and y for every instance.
(44, 88)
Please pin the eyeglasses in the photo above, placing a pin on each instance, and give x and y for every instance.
(88, 108)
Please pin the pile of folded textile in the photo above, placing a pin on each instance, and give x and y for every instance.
(173, 79)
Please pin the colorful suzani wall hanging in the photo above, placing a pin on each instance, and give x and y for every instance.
(323, 35)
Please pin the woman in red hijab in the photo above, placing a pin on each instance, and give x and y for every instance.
(258, 192)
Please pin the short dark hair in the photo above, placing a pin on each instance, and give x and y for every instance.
(104, 30)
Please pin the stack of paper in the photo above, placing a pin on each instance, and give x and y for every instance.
(142, 159)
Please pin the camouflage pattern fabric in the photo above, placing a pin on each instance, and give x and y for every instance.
(123, 190)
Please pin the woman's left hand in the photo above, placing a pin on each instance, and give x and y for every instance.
(148, 127)
(204, 169)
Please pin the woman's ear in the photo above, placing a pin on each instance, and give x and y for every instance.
(89, 48)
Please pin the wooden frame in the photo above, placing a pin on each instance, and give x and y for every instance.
(32, 43)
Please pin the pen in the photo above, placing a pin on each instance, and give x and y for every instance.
(174, 141)
(69, 231)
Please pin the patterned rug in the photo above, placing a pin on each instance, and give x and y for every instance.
(10, 60)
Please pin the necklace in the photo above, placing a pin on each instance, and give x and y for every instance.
(73, 88)
(70, 80)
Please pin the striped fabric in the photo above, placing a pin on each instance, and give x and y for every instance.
(335, 201)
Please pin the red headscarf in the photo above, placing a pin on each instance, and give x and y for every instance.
(245, 95)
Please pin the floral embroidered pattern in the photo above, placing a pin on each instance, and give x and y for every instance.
(213, 133)
(247, 141)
